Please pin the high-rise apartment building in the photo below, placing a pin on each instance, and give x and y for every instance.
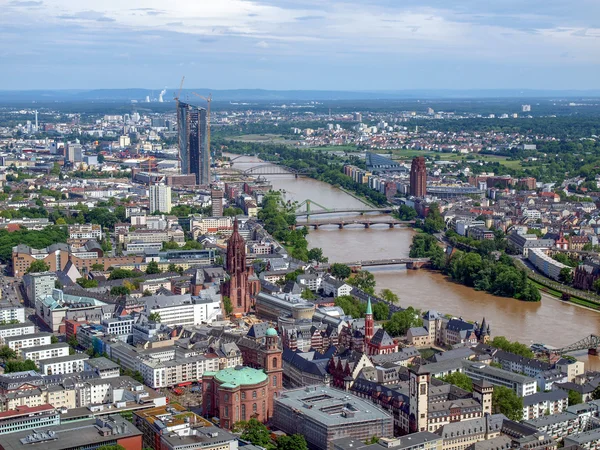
(418, 177)
(216, 197)
(160, 198)
(194, 153)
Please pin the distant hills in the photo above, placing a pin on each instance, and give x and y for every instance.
(262, 95)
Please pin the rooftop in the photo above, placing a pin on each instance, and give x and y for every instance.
(241, 376)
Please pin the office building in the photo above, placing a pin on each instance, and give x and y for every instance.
(423, 440)
(160, 198)
(109, 431)
(322, 414)
(38, 285)
(216, 197)
(26, 418)
(74, 153)
(194, 153)
(418, 177)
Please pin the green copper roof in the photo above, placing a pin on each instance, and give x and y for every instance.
(271, 332)
(369, 310)
(240, 376)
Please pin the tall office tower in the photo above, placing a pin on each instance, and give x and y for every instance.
(74, 153)
(160, 198)
(418, 177)
(193, 144)
(216, 197)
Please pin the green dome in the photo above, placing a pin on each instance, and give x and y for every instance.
(271, 332)
(240, 376)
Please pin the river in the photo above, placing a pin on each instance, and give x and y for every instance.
(551, 321)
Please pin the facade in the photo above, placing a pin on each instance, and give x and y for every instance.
(10, 313)
(38, 285)
(26, 418)
(239, 288)
(546, 264)
(18, 342)
(85, 434)
(322, 414)
(45, 352)
(418, 177)
(194, 154)
(244, 392)
(545, 403)
(216, 198)
(17, 329)
(103, 367)
(521, 384)
(160, 198)
(63, 364)
(185, 309)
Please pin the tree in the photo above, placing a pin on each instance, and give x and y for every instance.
(119, 274)
(316, 255)
(364, 280)
(340, 271)
(87, 283)
(152, 268)
(73, 341)
(14, 365)
(406, 213)
(53, 339)
(381, 311)
(307, 294)
(513, 347)
(255, 432)
(351, 306)
(146, 293)
(154, 317)
(596, 394)
(98, 266)
(566, 275)
(227, 306)
(401, 321)
(293, 442)
(119, 290)
(459, 379)
(38, 266)
(388, 296)
(575, 398)
(111, 447)
(172, 268)
(7, 353)
(506, 401)
(232, 211)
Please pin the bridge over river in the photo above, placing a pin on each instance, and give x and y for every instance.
(411, 263)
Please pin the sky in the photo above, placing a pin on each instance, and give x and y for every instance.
(362, 45)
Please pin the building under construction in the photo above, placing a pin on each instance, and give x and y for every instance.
(194, 153)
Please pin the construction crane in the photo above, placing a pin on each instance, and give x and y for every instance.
(179, 125)
(208, 100)
(180, 88)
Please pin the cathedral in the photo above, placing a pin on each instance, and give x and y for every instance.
(242, 284)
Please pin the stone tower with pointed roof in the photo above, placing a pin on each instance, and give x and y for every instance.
(236, 288)
(369, 324)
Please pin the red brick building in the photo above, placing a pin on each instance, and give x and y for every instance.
(418, 177)
(243, 393)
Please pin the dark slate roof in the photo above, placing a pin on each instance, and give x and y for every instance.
(381, 338)
(540, 397)
(459, 325)
(312, 366)
(258, 330)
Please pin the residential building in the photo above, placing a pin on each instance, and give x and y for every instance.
(194, 154)
(38, 285)
(521, 384)
(45, 352)
(63, 364)
(185, 309)
(16, 329)
(216, 198)
(11, 313)
(109, 430)
(322, 414)
(79, 234)
(160, 198)
(27, 418)
(119, 326)
(416, 441)
(557, 426)
(546, 264)
(17, 342)
(589, 440)
(545, 403)
(335, 288)
(104, 367)
(211, 226)
(522, 243)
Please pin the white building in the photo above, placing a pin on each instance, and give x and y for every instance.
(545, 403)
(17, 329)
(29, 340)
(63, 364)
(119, 326)
(334, 287)
(546, 264)
(185, 309)
(12, 313)
(45, 352)
(38, 285)
(160, 198)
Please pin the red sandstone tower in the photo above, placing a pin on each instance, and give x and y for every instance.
(369, 324)
(418, 177)
(236, 288)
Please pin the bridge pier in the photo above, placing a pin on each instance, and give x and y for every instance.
(391, 225)
(593, 351)
(367, 225)
(341, 225)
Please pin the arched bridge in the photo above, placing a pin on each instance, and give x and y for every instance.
(273, 169)
(343, 223)
(360, 211)
(411, 263)
(590, 343)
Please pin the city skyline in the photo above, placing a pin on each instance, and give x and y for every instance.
(310, 45)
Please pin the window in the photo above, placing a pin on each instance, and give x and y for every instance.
(254, 407)
(253, 394)
(274, 380)
(243, 412)
(274, 363)
(243, 396)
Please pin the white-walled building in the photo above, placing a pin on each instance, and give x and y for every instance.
(64, 364)
(160, 198)
(28, 340)
(45, 352)
(17, 329)
(11, 314)
(185, 309)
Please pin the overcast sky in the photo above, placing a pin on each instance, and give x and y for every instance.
(300, 44)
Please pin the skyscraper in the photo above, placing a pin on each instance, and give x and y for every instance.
(418, 177)
(193, 144)
(160, 198)
(216, 198)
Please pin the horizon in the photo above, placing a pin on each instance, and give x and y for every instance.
(342, 45)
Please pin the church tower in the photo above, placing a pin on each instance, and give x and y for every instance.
(369, 325)
(273, 366)
(419, 400)
(236, 288)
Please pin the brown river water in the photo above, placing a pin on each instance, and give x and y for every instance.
(551, 321)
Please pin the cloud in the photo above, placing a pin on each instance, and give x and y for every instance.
(25, 4)
(87, 15)
(262, 44)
